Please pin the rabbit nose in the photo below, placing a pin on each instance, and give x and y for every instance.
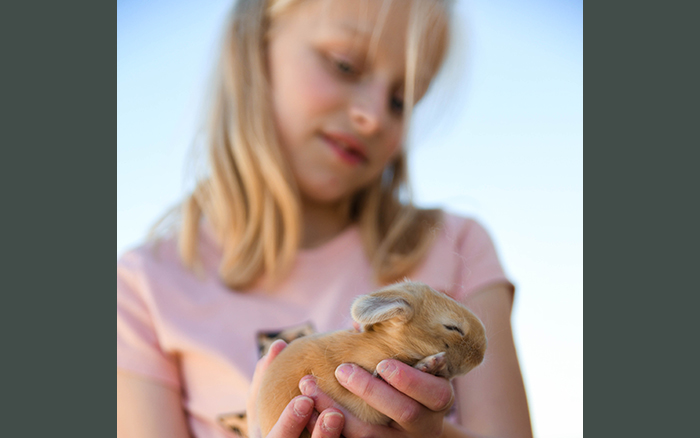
(477, 352)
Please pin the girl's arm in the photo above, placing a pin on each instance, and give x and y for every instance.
(147, 409)
(492, 400)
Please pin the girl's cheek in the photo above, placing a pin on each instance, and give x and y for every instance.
(394, 142)
(320, 91)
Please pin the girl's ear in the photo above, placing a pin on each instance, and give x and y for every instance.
(375, 308)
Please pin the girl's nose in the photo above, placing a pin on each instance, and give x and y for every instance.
(368, 110)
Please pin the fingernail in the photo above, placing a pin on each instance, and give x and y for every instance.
(308, 386)
(344, 373)
(386, 368)
(332, 421)
(303, 406)
(269, 349)
(277, 343)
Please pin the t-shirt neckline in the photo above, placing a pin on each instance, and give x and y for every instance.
(334, 246)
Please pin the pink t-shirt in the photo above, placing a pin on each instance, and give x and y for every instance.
(189, 331)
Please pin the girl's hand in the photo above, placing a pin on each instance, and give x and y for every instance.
(416, 402)
(296, 415)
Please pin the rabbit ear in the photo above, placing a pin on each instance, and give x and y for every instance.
(375, 308)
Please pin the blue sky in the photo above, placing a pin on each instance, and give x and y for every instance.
(507, 148)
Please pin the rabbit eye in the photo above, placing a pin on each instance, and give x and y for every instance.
(454, 329)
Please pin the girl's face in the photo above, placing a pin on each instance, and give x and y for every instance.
(337, 72)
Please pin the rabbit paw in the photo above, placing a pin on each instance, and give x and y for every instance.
(435, 364)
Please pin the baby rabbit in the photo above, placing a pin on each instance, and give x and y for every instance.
(407, 321)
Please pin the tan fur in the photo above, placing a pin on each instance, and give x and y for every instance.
(404, 321)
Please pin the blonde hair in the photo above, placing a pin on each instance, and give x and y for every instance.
(249, 196)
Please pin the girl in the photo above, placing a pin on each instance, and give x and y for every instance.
(303, 208)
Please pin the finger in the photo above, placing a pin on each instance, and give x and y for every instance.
(312, 422)
(381, 396)
(276, 348)
(264, 362)
(435, 393)
(293, 419)
(260, 368)
(353, 425)
(309, 388)
(329, 424)
(272, 352)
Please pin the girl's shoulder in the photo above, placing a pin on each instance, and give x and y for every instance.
(457, 229)
(162, 250)
(463, 257)
(149, 255)
(159, 258)
(140, 266)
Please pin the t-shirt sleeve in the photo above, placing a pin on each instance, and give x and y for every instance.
(480, 264)
(138, 348)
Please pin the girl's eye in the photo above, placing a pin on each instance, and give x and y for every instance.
(397, 105)
(344, 67)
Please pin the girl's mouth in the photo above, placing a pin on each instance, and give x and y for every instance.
(349, 149)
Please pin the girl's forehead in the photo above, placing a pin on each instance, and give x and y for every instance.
(358, 16)
(369, 18)
(376, 22)
(376, 28)
(387, 21)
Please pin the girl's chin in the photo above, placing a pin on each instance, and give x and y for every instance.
(329, 187)
(324, 200)
(326, 196)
